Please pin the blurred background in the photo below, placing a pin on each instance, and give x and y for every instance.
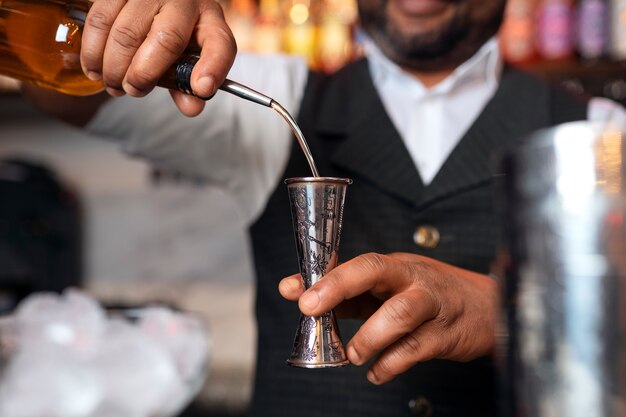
(75, 211)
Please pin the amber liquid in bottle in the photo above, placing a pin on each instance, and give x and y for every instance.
(40, 43)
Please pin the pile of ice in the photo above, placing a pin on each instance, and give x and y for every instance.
(69, 358)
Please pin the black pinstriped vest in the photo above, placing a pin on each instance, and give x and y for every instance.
(351, 136)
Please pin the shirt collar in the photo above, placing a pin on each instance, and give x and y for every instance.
(485, 66)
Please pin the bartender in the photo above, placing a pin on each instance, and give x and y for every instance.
(415, 124)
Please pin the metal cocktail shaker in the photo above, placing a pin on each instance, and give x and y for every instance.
(565, 287)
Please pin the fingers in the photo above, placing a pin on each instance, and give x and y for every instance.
(397, 317)
(127, 34)
(291, 287)
(188, 105)
(379, 274)
(130, 44)
(168, 36)
(461, 329)
(218, 51)
(98, 25)
(461, 338)
(423, 344)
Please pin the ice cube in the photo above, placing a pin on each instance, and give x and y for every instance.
(136, 373)
(183, 336)
(44, 381)
(73, 320)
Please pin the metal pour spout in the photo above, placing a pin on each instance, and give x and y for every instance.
(246, 93)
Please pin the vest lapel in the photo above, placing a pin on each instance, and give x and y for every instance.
(370, 146)
(519, 107)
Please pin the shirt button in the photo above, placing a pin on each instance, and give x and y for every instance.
(421, 407)
(426, 237)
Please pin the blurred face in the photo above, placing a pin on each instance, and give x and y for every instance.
(430, 35)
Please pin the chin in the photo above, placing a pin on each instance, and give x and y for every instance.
(430, 41)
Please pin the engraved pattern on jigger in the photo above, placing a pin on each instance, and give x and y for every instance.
(308, 354)
(317, 205)
(307, 325)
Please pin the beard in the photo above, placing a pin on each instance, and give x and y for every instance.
(443, 47)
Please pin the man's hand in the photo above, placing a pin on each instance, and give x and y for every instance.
(129, 44)
(415, 309)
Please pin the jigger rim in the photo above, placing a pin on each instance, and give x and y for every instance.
(335, 180)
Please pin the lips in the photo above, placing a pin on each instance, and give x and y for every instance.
(422, 8)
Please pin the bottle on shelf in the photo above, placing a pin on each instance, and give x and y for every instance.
(300, 30)
(555, 29)
(241, 15)
(335, 39)
(517, 35)
(592, 29)
(267, 28)
(617, 13)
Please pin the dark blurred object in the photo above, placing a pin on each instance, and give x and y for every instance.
(195, 410)
(40, 232)
(602, 78)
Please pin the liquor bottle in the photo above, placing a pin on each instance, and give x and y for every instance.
(517, 36)
(267, 31)
(241, 15)
(300, 30)
(618, 29)
(335, 47)
(40, 43)
(592, 33)
(555, 29)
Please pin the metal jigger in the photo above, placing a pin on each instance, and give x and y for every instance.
(317, 213)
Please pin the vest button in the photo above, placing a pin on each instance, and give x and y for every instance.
(426, 237)
(421, 407)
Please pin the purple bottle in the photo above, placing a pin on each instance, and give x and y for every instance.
(593, 29)
(618, 29)
(555, 29)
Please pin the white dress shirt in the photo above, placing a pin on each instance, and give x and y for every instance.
(243, 147)
(432, 121)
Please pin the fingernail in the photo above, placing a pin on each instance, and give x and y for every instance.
(205, 86)
(372, 377)
(353, 355)
(287, 286)
(94, 76)
(310, 299)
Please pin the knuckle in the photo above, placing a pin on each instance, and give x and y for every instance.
(445, 321)
(399, 311)
(417, 270)
(99, 21)
(141, 81)
(213, 7)
(366, 342)
(111, 81)
(126, 37)
(171, 39)
(411, 345)
(386, 365)
(372, 261)
(334, 279)
(414, 347)
(224, 33)
(226, 38)
(220, 32)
